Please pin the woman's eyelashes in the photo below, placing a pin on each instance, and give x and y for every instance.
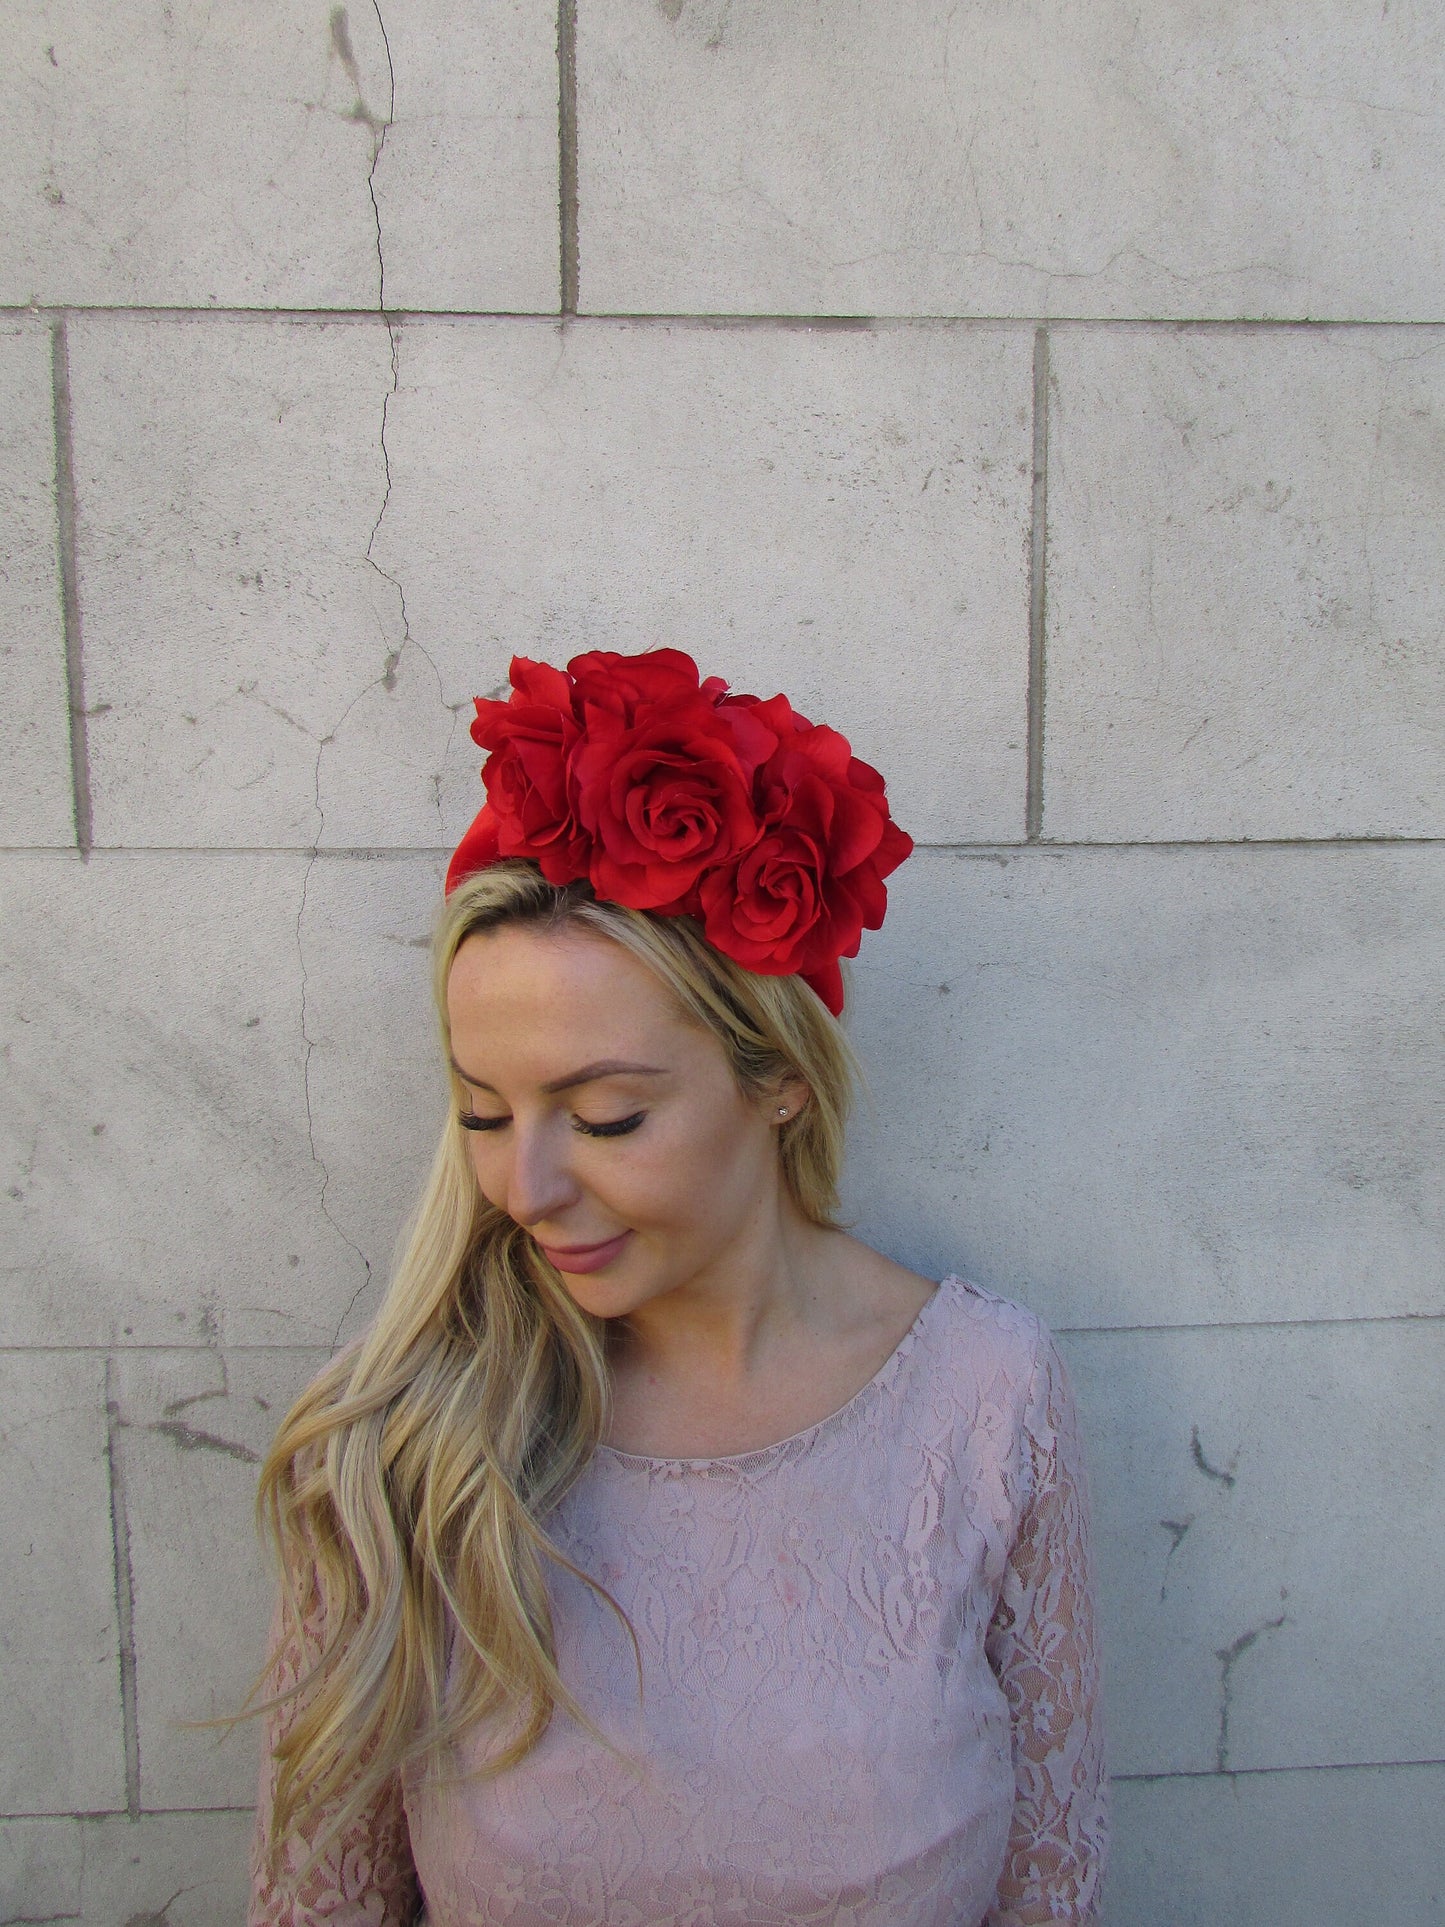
(617, 1127)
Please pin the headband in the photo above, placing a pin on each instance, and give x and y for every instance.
(669, 794)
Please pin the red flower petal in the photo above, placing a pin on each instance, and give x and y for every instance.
(477, 849)
(827, 981)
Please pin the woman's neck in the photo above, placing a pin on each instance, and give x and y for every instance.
(728, 1319)
(764, 1353)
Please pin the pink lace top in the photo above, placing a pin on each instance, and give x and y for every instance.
(870, 1681)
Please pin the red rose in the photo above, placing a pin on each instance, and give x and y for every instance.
(527, 776)
(802, 895)
(667, 796)
(619, 685)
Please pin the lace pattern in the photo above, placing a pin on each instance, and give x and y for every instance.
(366, 1876)
(1043, 1647)
(869, 1673)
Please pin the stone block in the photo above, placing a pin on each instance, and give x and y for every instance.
(179, 1869)
(164, 1178)
(841, 514)
(1278, 1850)
(1264, 1500)
(193, 1429)
(35, 804)
(1244, 594)
(1159, 1086)
(60, 1714)
(274, 155)
(1019, 159)
(244, 650)
(40, 1863)
(466, 185)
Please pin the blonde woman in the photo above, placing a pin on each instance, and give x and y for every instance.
(663, 1553)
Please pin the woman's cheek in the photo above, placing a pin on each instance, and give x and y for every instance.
(715, 1174)
(484, 1170)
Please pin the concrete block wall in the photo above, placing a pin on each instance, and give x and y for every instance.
(1050, 395)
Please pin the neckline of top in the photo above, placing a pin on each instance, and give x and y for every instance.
(875, 1384)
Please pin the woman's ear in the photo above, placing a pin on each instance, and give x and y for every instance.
(790, 1096)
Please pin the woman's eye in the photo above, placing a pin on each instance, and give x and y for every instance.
(619, 1128)
(469, 1121)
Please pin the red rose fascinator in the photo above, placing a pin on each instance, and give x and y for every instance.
(669, 794)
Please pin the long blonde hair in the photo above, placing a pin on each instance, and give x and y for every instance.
(406, 1491)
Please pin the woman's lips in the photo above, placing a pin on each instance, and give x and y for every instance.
(584, 1257)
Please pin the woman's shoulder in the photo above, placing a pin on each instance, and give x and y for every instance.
(986, 1337)
(980, 1307)
(989, 1386)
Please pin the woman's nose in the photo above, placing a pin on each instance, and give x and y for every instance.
(540, 1184)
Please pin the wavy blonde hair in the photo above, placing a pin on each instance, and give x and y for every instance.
(407, 1489)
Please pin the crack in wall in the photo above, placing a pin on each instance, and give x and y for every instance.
(124, 1581)
(378, 139)
(1177, 1529)
(1223, 1477)
(1227, 1656)
(162, 1916)
(386, 679)
(175, 1406)
(191, 1439)
(377, 125)
(1048, 273)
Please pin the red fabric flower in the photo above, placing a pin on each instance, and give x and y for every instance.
(667, 795)
(802, 895)
(621, 685)
(670, 795)
(527, 776)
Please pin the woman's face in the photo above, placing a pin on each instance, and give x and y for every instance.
(606, 1123)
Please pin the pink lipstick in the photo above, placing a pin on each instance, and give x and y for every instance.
(578, 1258)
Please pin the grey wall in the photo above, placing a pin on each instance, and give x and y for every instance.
(1050, 394)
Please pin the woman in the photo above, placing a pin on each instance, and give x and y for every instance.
(663, 1553)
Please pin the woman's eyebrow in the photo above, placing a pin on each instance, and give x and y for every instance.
(606, 1067)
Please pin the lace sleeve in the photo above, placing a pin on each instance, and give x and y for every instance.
(1042, 1646)
(365, 1877)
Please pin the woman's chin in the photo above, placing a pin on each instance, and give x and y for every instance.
(617, 1290)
